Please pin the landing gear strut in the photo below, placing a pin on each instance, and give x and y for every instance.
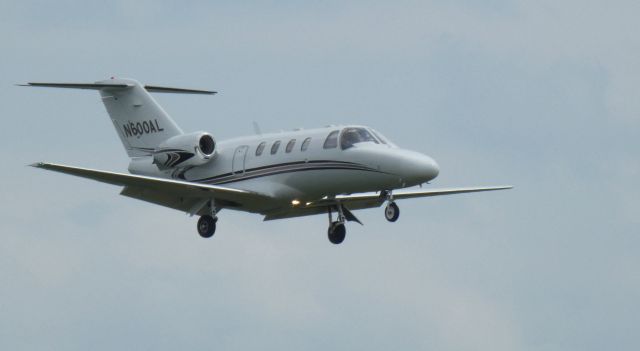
(207, 223)
(337, 230)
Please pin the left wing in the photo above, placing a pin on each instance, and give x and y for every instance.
(172, 193)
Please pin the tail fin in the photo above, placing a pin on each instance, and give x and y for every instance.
(140, 121)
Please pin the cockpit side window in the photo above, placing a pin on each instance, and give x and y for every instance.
(332, 140)
(382, 138)
(379, 137)
(351, 136)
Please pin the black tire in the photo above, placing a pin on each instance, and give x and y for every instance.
(206, 226)
(337, 232)
(392, 212)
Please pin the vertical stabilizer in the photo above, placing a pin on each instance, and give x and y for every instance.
(140, 121)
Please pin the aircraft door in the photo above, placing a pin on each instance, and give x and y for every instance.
(239, 157)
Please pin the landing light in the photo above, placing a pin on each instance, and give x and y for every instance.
(295, 202)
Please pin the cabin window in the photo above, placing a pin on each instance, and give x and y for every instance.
(351, 136)
(332, 140)
(260, 148)
(290, 145)
(305, 144)
(274, 147)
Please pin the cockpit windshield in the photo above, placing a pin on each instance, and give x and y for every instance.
(353, 135)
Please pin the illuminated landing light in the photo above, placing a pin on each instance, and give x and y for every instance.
(295, 202)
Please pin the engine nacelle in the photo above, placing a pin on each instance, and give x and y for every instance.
(187, 150)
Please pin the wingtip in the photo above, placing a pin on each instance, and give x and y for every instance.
(37, 164)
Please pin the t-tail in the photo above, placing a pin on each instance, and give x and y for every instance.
(141, 123)
(149, 135)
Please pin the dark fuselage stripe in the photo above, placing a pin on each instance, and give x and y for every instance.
(284, 168)
(240, 177)
(281, 166)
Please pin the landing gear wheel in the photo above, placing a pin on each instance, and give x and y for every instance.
(207, 226)
(392, 212)
(337, 232)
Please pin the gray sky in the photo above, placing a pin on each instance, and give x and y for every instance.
(542, 95)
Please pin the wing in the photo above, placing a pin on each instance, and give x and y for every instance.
(421, 193)
(370, 200)
(379, 199)
(177, 194)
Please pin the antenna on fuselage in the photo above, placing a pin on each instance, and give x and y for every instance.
(256, 128)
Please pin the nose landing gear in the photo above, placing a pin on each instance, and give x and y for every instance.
(391, 212)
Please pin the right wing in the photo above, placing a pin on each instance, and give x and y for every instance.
(421, 193)
(369, 200)
(182, 195)
(376, 199)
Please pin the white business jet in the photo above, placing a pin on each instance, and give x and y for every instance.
(333, 170)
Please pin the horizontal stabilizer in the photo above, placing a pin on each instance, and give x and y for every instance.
(102, 85)
(157, 89)
(93, 86)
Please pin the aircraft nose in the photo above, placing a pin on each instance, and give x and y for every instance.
(419, 168)
(428, 168)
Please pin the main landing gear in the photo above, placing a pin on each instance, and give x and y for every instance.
(337, 230)
(207, 223)
(207, 226)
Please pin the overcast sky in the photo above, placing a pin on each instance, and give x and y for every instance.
(539, 94)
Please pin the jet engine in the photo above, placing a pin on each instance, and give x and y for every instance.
(186, 150)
